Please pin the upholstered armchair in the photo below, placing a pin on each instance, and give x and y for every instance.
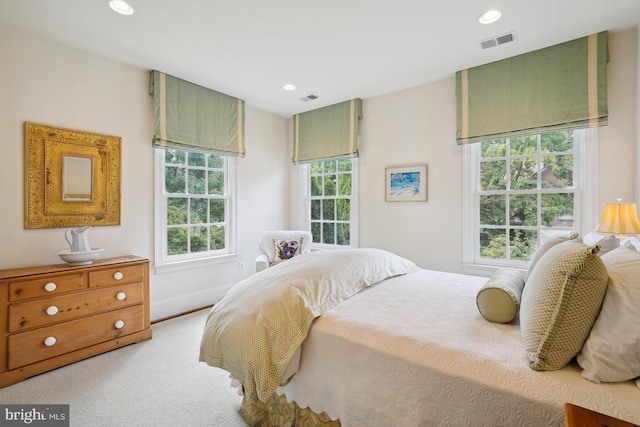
(278, 246)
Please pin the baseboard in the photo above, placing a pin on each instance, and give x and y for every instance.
(170, 307)
(195, 310)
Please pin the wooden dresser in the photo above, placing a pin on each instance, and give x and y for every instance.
(58, 314)
(577, 416)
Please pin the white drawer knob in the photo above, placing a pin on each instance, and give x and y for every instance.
(50, 341)
(121, 296)
(50, 287)
(52, 310)
(119, 324)
(118, 275)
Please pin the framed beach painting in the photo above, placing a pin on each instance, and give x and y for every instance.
(406, 184)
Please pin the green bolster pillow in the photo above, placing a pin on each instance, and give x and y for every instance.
(498, 300)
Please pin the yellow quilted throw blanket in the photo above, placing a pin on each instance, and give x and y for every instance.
(256, 328)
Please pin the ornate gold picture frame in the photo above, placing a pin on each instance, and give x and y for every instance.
(72, 178)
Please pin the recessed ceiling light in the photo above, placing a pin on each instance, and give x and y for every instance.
(289, 86)
(121, 6)
(489, 17)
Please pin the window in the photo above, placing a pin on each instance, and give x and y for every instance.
(195, 205)
(521, 192)
(331, 202)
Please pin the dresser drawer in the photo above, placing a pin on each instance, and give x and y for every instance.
(45, 286)
(115, 275)
(46, 311)
(33, 346)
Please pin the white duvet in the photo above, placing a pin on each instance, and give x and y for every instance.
(414, 351)
(255, 330)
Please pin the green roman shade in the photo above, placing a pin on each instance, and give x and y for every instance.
(192, 117)
(327, 133)
(561, 87)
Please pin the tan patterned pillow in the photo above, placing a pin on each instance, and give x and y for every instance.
(548, 244)
(286, 249)
(560, 303)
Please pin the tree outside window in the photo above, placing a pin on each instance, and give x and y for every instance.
(331, 197)
(526, 191)
(196, 203)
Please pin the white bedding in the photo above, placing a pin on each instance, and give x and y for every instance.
(414, 351)
(256, 329)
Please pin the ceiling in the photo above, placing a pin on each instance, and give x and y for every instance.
(335, 49)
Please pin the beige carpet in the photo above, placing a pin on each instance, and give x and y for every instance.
(155, 383)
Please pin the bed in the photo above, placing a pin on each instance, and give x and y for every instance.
(396, 344)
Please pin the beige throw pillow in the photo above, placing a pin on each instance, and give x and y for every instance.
(560, 303)
(548, 244)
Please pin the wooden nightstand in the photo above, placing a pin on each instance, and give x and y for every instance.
(576, 416)
(58, 314)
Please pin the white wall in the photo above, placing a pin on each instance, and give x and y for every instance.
(638, 116)
(44, 82)
(415, 126)
(418, 126)
(617, 148)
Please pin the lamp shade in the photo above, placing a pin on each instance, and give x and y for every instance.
(619, 218)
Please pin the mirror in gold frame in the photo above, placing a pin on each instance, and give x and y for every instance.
(72, 178)
(77, 178)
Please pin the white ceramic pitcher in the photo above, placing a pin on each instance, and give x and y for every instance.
(79, 241)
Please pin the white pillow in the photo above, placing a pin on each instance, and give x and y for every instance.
(635, 242)
(611, 353)
(607, 242)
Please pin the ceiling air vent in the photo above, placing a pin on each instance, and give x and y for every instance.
(498, 40)
(308, 98)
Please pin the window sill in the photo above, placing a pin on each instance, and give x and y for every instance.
(194, 263)
(321, 247)
(486, 270)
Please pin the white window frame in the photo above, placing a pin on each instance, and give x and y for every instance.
(167, 263)
(586, 157)
(305, 209)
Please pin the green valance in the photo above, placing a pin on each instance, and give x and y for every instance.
(557, 88)
(327, 133)
(192, 117)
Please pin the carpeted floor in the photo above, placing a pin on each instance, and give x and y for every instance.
(155, 383)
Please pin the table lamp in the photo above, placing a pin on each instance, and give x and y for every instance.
(619, 218)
